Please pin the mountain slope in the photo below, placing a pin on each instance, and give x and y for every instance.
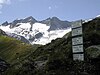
(13, 52)
(11, 49)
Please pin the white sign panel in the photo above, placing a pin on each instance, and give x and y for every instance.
(78, 48)
(77, 40)
(77, 31)
(77, 24)
(78, 57)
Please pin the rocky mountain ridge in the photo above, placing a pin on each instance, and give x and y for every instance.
(36, 32)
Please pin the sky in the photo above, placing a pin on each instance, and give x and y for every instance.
(69, 10)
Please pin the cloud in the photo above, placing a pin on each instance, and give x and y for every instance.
(49, 7)
(53, 7)
(3, 2)
(6, 2)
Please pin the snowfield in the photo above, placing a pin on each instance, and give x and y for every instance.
(36, 33)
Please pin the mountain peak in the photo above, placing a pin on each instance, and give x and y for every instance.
(29, 19)
(55, 18)
(48, 18)
(5, 23)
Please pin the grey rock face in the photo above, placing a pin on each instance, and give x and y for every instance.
(38, 35)
(2, 32)
(55, 23)
(18, 37)
(30, 19)
(5, 23)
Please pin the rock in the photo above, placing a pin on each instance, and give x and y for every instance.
(3, 66)
(2, 32)
(93, 51)
(29, 19)
(5, 23)
(39, 35)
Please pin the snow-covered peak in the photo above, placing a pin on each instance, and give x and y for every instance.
(98, 16)
(37, 32)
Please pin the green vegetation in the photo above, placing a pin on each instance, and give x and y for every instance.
(14, 51)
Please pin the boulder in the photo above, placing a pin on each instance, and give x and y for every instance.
(93, 52)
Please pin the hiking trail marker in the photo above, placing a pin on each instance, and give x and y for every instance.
(77, 41)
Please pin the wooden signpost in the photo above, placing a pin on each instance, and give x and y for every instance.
(77, 41)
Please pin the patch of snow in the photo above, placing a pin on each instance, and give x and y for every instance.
(5, 28)
(29, 31)
(40, 27)
(52, 35)
(87, 20)
(98, 16)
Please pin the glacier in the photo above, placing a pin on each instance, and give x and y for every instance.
(36, 33)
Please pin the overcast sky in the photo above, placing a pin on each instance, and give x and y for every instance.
(41, 9)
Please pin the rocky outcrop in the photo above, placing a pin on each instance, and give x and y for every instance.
(30, 19)
(55, 23)
(3, 66)
(2, 32)
(5, 23)
(18, 37)
(93, 52)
